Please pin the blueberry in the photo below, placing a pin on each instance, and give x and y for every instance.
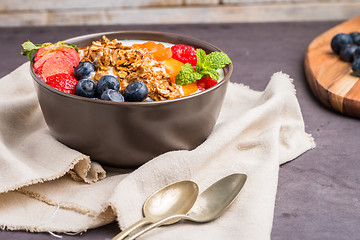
(107, 82)
(347, 52)
(340, 40)
(84, 70)
(356, 40)
(355, 37)
(86, 88)
(136, 91)
(356, 67)
(112, 95)
(357, 54)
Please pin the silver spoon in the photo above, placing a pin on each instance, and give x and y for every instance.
(210, 204)
(176, 198)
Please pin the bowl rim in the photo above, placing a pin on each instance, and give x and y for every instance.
(168, 101)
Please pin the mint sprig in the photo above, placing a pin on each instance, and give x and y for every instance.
(187, 75)
(29, 48)
(206, 65)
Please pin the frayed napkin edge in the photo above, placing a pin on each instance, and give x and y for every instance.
(71, 166)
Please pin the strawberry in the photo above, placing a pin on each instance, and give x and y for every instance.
(67, 51)
(63, 82)
(205, 83)
(44, 53)
(70, 53)
(38, 64)
(56, 63)
(184, 54)
(47, 53)
(41, 52)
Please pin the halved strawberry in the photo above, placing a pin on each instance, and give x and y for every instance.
(41, 52)
(45, 53)
(42, 59)
(71, 53)
(63, 82)
(58, 63)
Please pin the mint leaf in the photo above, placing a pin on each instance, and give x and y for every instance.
(218, 60)
(187, 75)
(201, 56)
(202, 63)
(210, 72)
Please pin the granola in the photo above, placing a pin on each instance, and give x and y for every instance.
(130, 64)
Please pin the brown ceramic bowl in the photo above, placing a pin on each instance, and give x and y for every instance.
(128, 134)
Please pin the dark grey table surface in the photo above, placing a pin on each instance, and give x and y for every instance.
(319, 192)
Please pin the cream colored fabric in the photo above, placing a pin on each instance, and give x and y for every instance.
(256, 132)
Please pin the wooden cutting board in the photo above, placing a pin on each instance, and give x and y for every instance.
(331, 79)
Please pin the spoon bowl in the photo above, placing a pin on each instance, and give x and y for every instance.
(174, 199)
(210, 204)
(177, 198)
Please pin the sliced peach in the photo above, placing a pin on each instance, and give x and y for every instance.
(157, 50)
(172, 67)
(150, 46)
(162, 54)
(190, 88)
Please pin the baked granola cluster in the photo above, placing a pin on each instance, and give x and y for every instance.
(130, 64)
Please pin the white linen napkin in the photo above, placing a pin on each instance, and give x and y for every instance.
(45, 186)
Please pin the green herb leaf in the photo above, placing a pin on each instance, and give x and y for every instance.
(218, 60)
(187, 75)
(206, 65)
(29, 48)
(201, 59)
(210, 72)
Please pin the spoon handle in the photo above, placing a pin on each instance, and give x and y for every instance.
(155, 224)
(130, 229)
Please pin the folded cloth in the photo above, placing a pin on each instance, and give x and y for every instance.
(46, 186)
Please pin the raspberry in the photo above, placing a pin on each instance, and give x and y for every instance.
(63, 82)
(205, 83)
(184, 54)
